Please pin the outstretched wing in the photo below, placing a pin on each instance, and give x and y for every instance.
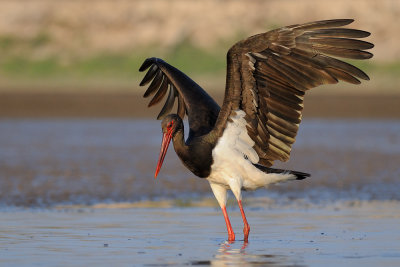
(201, 109)
(269, 73)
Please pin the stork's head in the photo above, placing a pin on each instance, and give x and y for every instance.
(170, 125)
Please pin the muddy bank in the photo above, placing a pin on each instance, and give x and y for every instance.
(126, 105)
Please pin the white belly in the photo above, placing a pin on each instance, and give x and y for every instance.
(234, 157)
(241, 172)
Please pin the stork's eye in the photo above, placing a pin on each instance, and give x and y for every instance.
(169, 126)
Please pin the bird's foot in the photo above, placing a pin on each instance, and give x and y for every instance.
(231, 236)
(246, 231)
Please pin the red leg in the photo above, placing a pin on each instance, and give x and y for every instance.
(246, 229)
(231, 234)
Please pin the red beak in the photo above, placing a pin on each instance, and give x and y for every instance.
(164, 147)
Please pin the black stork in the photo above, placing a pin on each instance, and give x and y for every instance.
(234, 146)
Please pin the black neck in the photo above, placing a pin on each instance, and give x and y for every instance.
(181, 149)
(195, 154)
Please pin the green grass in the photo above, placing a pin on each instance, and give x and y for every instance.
(22, 67)
(117, 65)
(391, 68)
(6, 42)
(19, 62)
(197, 61)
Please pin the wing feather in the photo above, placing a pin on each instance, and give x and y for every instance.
(342, 75)
(149, 75)
(341, 65)
(169, 103)
(269, 73)
(162, 91)
(338, 32)
(181, 107)
(342, 42)
(155, 84)
(201, 109)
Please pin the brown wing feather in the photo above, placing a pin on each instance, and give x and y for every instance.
(268, 75)
(201, 109)
(159, 86)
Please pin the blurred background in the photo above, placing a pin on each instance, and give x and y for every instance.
(74, 126)
(96, 47)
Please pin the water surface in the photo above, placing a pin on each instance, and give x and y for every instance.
(85, 161)
(361, 235)
(346, 214)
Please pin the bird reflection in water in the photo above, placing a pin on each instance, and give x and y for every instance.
(231, 253)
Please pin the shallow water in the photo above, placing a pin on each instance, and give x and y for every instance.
(347, 213)
(85, 161)
(365, 234)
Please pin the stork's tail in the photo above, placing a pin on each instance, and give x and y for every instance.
(299, 175)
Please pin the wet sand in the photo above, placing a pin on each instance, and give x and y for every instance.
(131, 105)
(342, 233)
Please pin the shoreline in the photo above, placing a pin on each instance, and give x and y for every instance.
(253, 203)
(132, 105)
